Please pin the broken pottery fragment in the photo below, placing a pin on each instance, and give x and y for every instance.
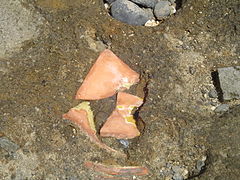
(117, 170)
(121, 123)
(108, 75)
(127, 102)
(82, 116)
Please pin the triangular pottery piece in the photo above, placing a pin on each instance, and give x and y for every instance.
(121, 123)
(82, 116)
(108, 75)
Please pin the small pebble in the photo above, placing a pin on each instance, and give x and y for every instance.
(213, 93)
(162, 9)
(8, 145)
(222, 108)
(200, 165)
(151, 23)
(192, 70)
(177, 176)
(146, 3)
(128, 12)
(124, 142)
(176, 169)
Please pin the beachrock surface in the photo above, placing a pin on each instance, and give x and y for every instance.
(17, 24)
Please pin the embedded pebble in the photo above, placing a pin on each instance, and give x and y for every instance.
(124, 142)
(222, 108)
(146, 3)
(229, 78)
(8, 145)
(213, 93)
(176, 169)
(128, 12)
(200, 165)
(151, 23)
(163, 9)
(177, 176)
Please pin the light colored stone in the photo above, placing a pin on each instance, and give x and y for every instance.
(17, 24)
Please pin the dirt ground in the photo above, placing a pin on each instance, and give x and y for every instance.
(176, 60)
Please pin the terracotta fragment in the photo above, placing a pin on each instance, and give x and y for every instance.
(121, 123)
(127, 102)
(119, 127)
(117, 170)
(82, 116)
(112, 178)
(108, 75)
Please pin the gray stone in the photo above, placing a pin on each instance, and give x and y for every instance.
(128, 12)
(17, 24)
(146, 3)
(222, 108)
(200, 165)
(229, 78)
(8, 145)
(213, 93)
(149, 11)
(176, 169)
(177, 176)
(162, 9)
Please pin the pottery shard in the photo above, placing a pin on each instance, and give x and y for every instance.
(128, 12)
(117, 170)
(108, 75)
(117, 126)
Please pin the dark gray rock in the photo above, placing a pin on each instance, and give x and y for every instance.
(146, 3)
(162, 9)
(109, 1)
(8, 145)
(229, 78)
(128, 12)
(213, 93)
(222, 108)
(149, 11)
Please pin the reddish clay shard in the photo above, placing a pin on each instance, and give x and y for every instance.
(116, 126)
(112, 178)
(82, 116)
(117, 170)
(121, 123)
(127, 102)
(108, 75)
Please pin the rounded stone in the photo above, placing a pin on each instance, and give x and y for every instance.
(162, 9)
(128, 12)
(222, 108)
(146, 3)
(213, 93)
